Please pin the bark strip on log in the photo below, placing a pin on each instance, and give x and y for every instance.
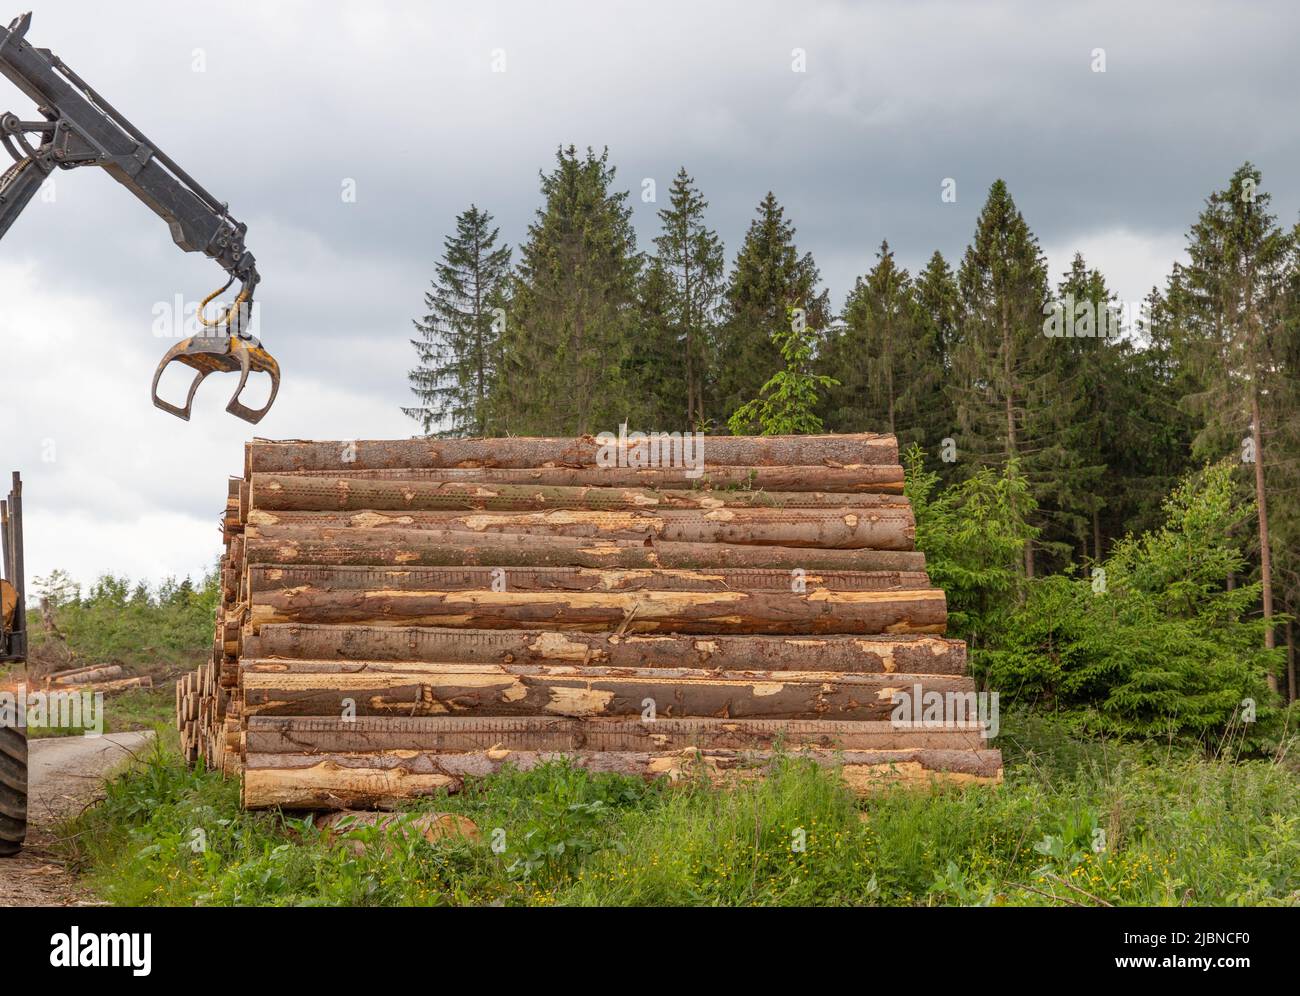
(867, 654)
(317, 734)
(385, 780)
(741, 611)
(824, 528)
(441, 548)
(537, 690)
(288, 492)
(884, 478)
(264, 578)
(289, 456)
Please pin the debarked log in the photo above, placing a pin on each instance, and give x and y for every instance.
(824, 528)
(89, 672)
(547, 690)
(320, 734)
(115, 685)
(884, 654)
(267, 577)
(290, 492)
(820, 611)
(387, 779)
(289, 456)
(443, 548)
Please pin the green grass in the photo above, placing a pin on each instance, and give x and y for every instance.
(1076, 823)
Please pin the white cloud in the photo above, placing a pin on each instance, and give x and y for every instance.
(111, 484)
(1132, 262)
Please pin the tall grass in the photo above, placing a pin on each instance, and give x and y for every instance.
(1081, 824)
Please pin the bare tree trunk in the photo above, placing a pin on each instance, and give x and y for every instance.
(1265, 555)
(1290, 663)
(1010, 405)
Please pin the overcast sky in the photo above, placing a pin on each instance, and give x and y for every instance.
(275, 106)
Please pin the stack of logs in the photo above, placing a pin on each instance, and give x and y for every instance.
(399, 616)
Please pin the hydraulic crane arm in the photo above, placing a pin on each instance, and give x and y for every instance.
(80, 128)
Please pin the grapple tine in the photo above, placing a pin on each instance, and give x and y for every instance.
(253, 356)
(177, 353)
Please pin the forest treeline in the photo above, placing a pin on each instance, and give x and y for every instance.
(988, 363)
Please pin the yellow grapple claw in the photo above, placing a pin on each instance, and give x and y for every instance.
(220, 354)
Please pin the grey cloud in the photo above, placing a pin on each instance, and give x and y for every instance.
(400, 97)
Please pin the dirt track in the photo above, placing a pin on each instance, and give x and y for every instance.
(64, 775)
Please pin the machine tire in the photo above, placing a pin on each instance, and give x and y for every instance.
(13, 790)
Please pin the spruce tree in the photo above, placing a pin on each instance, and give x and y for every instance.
(690, 257)
(457, 345)
(1150, 443)
(874, 353)
(937, 303)
(769, 278)
(1235, 305)
(573, 307)
(654, 370)
(1010, 406)
(1088, 364)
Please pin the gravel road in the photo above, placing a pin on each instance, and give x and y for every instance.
(64, 774)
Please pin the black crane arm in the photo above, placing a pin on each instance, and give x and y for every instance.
(80, 128)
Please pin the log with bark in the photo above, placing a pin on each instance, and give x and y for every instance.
(289, 492)
(387, 779)
(456, 734)
(822, 528)
(442, 548)
(264, 578)
(883, 654)
(88, 672)
(424, 689)
(738, 611)
(881, 478)
(115, 685)
(290, 456)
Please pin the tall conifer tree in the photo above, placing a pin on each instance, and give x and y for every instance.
(573, 308)
(1235, 307)
(769, 278)
(938, 316)
(1009, 403)
(457, 347)
(690, 256)
(880, 355)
